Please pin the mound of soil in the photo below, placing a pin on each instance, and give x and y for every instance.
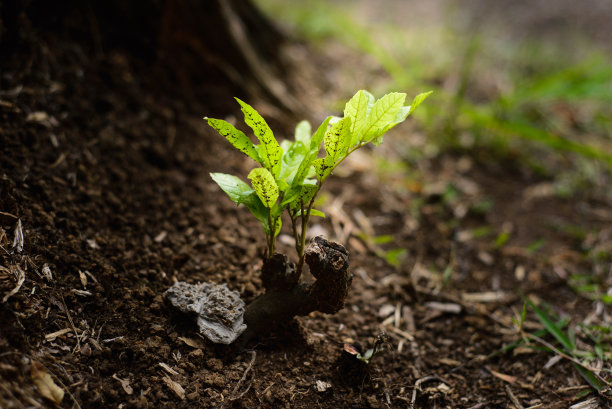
(105, 201)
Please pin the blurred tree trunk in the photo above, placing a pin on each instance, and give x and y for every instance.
(194, 41)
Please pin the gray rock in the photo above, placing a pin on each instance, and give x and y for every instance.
(219, 311)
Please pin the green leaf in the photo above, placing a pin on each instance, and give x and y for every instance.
(292, 159)
(418, 100)
(241, 193)
(269, 151)
(383, 112)
(322, 169)
(357, 109)
(307, 161)
(317, 138)
(236, 137)
(336, 145)
(303, 197)
(235, 188)
(302, 132)
(278, 223)
(315, 212)
(265, 186)
(335, 140)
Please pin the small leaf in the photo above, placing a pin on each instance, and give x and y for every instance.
(292, 159)
(278, 224)
(315, 212)
(236, 137)
(357, 109)
(303, 197)
(265, 186)
(269, 151)
(317, 138)
(335, 140)
(302, 132)
(383, 112)
(418, 100)
(235, 188)
(322, 169)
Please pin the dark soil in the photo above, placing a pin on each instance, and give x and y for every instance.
(104, 165)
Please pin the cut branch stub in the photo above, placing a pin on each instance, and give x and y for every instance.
(328, 262)
(285, 297)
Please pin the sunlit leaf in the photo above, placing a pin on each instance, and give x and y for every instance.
(236, 137)
(303, 131)
(270, 152)
(235, 188)
(418, 100)
(357, 109)
(383, 112)
(265, 186)
(335, 140)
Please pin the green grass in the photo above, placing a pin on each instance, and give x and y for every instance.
(551, 103)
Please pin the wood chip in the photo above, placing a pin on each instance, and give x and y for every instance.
(20, 280)
(19, 239)
(592, 403)
(399, 332)
(83, 279)
(82, 293)
(46, 272)
(322, 386)
(175, 387)
(168, 369)
(125, 384)
(386, 310)
(451, 308)
(53, 335)
(487, 296)
(449, 362)
(506, 378)
(160, 237)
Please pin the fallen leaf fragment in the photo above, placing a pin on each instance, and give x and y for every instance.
(125, 384)
(45, 384)
(175, 386)
(194, 343)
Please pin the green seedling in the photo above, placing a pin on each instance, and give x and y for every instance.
(379, 344)
(291, 173)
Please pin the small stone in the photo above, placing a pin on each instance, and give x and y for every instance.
(322, 386)
(219, 311)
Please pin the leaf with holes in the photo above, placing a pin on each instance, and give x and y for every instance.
(265, 186)
(236, 137)
(269, 151)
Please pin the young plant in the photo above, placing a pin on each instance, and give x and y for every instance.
(289, 177)
(291, 173)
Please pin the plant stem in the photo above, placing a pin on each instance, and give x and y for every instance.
(296, 234)
(271, 238)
